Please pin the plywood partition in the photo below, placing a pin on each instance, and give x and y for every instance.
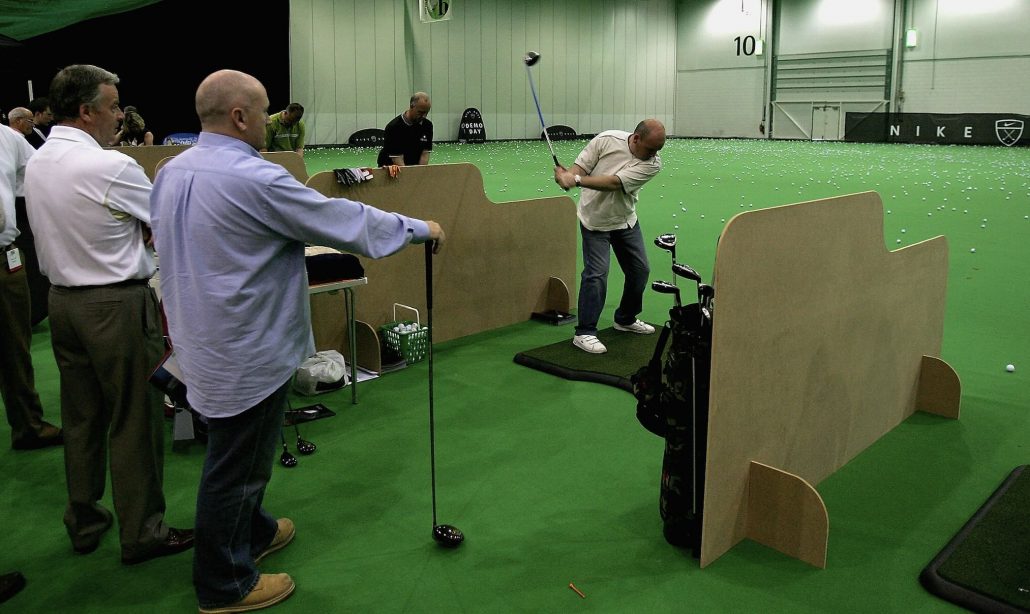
(291, 161)
(148, 157)
(818, 347)
(494, 269)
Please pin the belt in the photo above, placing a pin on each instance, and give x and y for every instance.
(117, 284)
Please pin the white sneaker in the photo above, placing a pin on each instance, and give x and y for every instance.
(589, 343)
(639, 327)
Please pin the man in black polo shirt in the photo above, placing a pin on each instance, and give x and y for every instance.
(409, 136)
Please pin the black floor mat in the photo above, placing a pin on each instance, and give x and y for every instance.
(986, 566)
(626, 353)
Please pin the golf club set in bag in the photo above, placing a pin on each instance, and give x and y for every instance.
(672, 402)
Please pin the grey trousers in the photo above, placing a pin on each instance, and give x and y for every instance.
(107, 341)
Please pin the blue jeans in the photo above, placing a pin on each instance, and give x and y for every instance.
(628, 245)
(231, 526)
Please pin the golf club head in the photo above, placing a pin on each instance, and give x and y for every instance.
(666, 241)
(286, 459)
(448, 536)
(305, 447)
(682, 270)
(532, 57)
(705, 291)
(664, 287)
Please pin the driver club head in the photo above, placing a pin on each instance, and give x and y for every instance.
(448, 536)
(286, 459)
(683, 270)
(305, 447)
(532, 57)
(666, 241)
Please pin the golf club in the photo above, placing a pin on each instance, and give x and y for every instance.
(667, 242)
(532, 57)
(444, 534)
(684, 270)
(664, 287)
(303, 446)
(286, 459)
(705, 296)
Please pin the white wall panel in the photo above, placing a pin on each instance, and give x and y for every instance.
(606, 64)
(720, 103)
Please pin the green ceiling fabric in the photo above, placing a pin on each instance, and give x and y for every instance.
(22, 19)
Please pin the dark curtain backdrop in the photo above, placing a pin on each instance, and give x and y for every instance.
(161, 53)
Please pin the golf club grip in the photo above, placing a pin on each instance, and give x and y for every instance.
(429, 273)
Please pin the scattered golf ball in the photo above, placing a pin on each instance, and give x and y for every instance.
(1010, 368)
(972, 251)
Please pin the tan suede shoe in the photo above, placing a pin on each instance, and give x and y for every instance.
(269, 590)
(283, 536)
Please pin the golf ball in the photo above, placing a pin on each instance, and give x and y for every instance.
(972, 251)
(1010, 368)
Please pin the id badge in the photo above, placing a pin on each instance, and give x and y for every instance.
(13, 260)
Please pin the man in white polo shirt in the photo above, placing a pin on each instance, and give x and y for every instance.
(90, 208)
(611, 169)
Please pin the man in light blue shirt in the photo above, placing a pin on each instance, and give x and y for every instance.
(230, 230)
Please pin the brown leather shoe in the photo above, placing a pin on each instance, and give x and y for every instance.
(269, 590)
(177, 541)
(49, 435)
(10, 585)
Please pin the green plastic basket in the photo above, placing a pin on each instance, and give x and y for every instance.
(410, 345)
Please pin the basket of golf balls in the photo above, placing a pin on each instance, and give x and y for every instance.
(406, 339)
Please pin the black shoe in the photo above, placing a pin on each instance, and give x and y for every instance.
(49, 435)
(10, 584)
(177, 541)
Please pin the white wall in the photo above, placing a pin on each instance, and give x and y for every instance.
(605, 64)
(720, 91)
(972, 56)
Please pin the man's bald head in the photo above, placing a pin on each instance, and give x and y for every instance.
(647, 139)
(235, 104)
(20, 119)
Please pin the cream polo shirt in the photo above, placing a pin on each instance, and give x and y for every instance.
(87, 206)
(608, 154)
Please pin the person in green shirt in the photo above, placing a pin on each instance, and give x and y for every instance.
(285, 130)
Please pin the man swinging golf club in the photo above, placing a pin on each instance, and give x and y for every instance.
(610, 171)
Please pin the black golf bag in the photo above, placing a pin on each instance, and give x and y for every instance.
(672, 402)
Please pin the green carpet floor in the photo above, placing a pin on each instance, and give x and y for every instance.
(554, 481)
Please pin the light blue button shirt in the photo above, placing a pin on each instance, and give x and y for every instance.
(230, 230)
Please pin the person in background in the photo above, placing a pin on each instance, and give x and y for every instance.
(90, 208)
(409, 136)
(42, 118)
(133, 132)
(286, 130)
(17, 379)
(610, 171)
(23, 122)
(245, 295)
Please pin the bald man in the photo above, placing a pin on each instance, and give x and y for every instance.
(231, 229)
(409, 136)
(610, 171)
(20, 120)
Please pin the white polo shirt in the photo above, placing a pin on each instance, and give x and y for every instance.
(87, 205)
(13, 158)
(608, 154)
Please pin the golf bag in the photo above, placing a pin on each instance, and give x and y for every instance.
(672, 402)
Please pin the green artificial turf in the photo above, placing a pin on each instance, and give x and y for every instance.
(554, 481)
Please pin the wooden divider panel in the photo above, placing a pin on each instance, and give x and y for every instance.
(149, 157)
(495, 265)
(818, 344)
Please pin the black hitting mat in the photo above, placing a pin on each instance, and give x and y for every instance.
(986, 566)
(627, 352)
(306, 414)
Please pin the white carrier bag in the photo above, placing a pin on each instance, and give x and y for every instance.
(323, 372)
